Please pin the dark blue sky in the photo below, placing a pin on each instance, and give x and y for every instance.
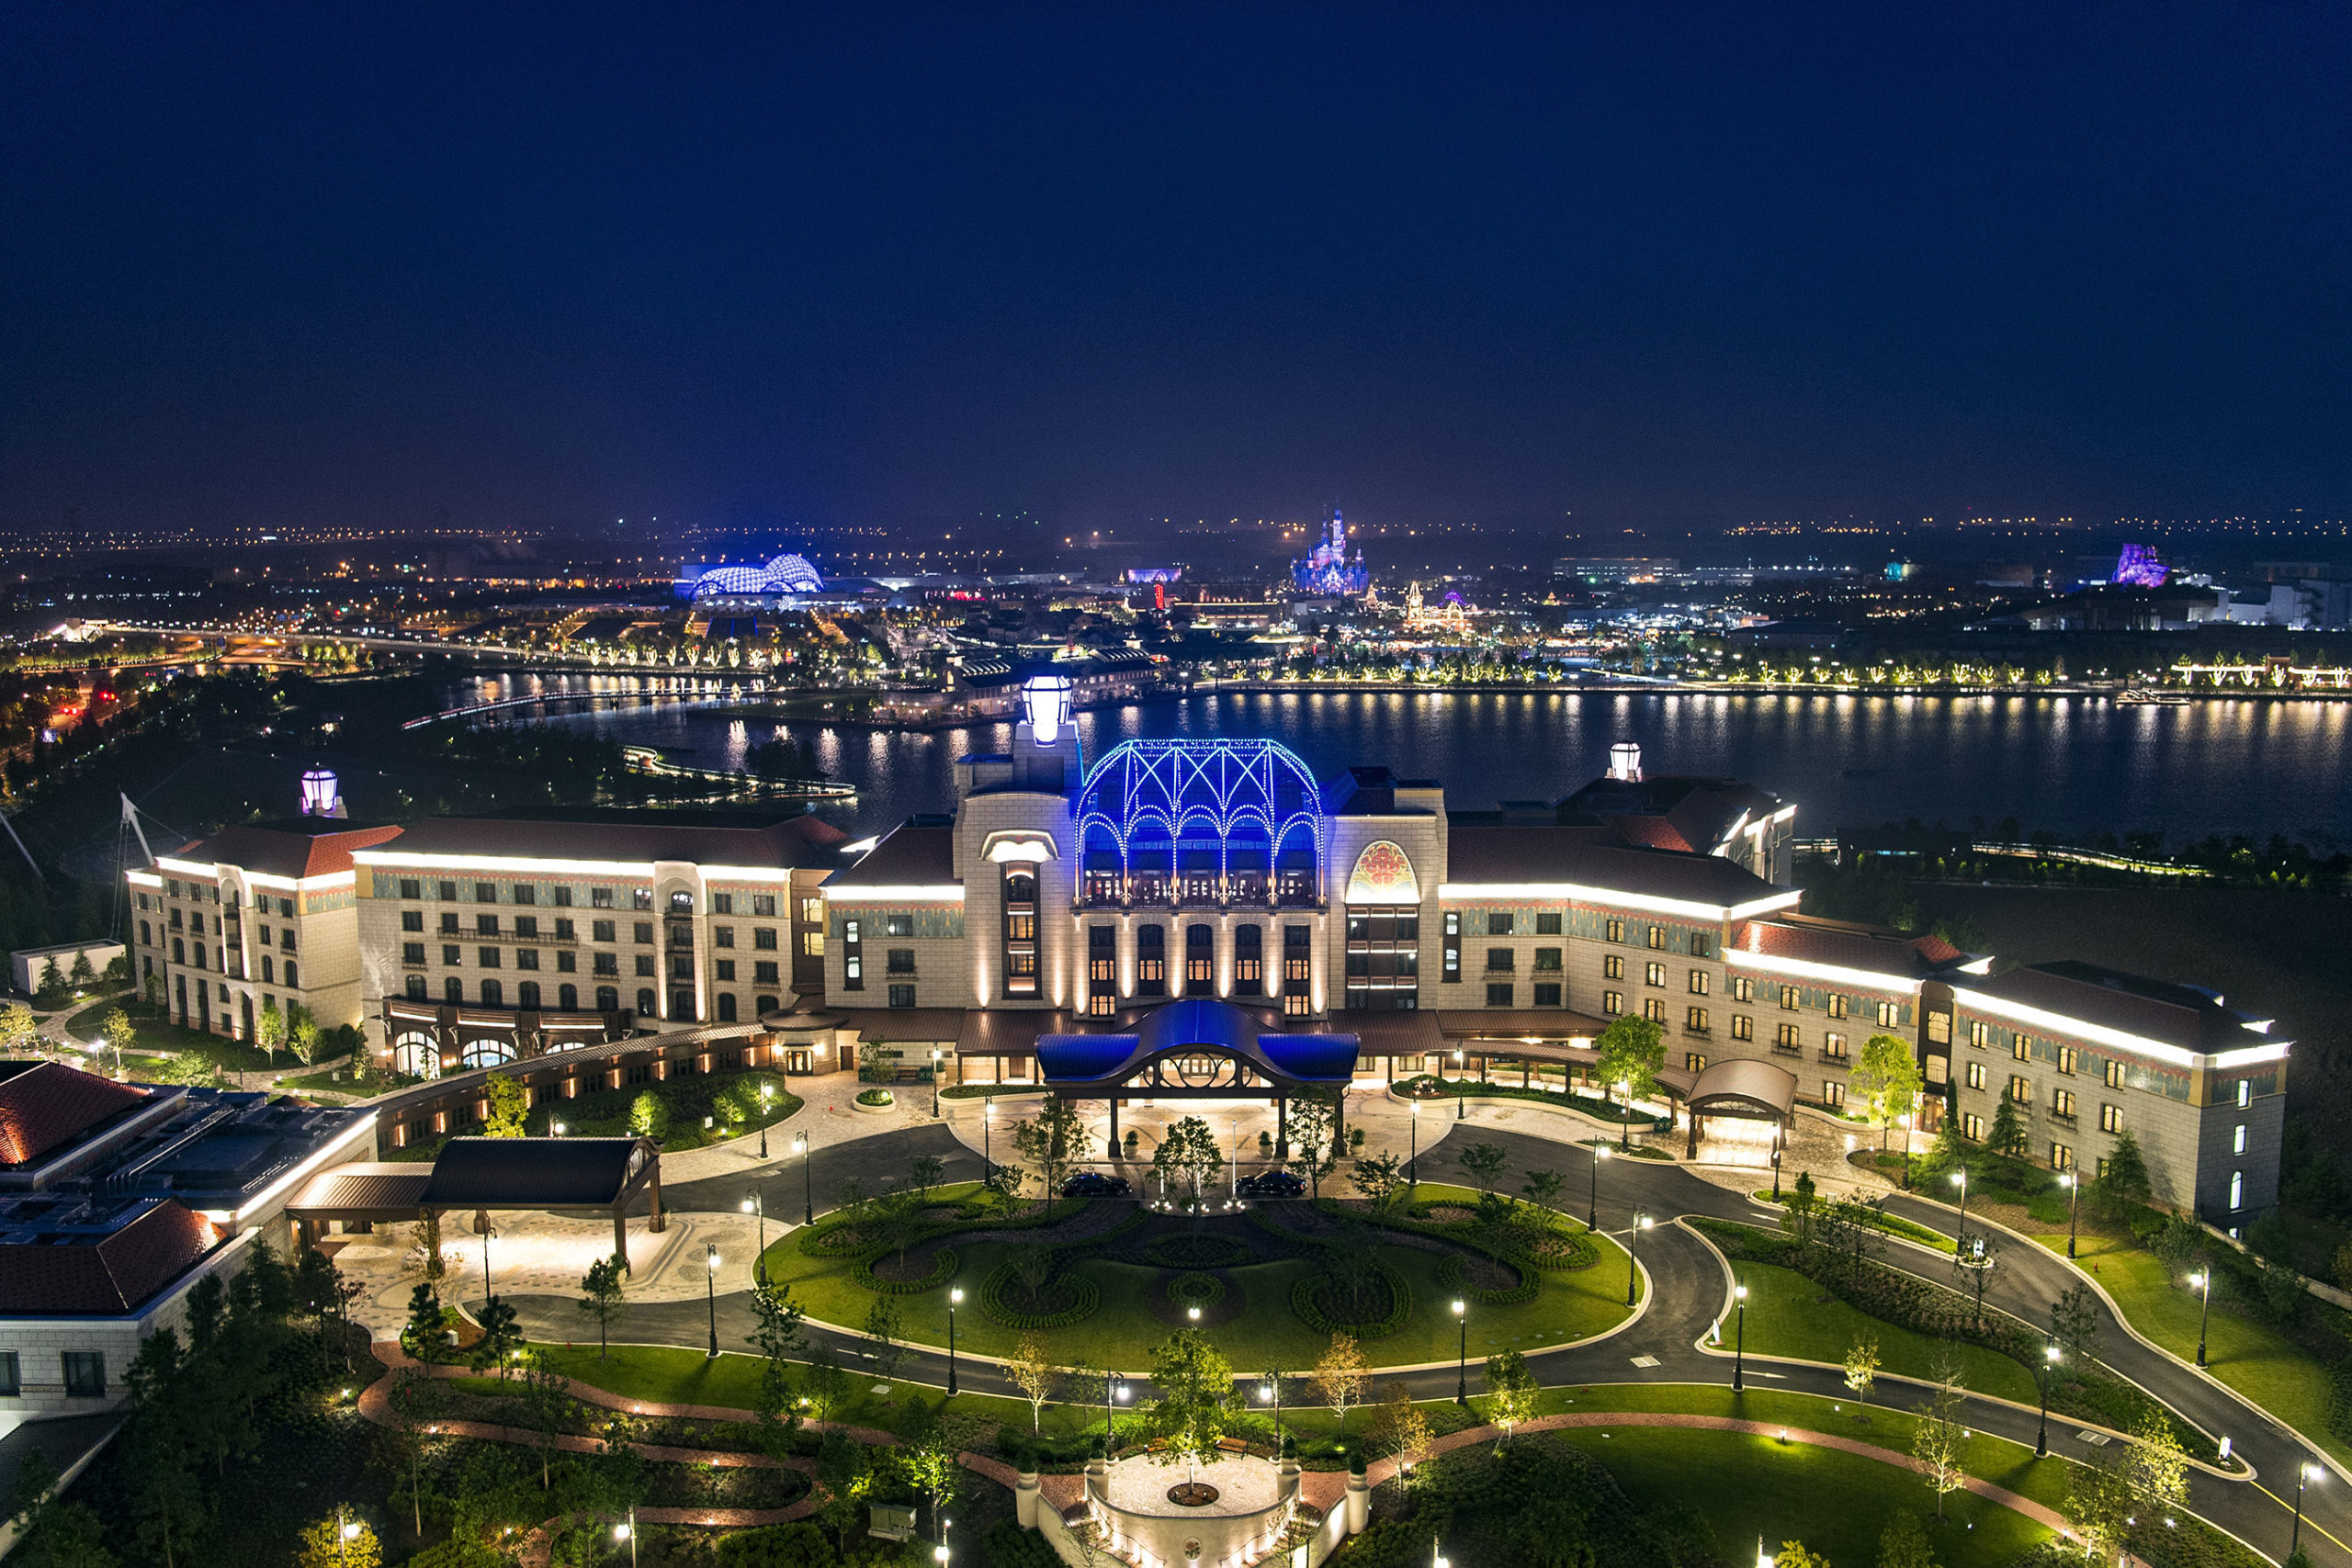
(904, 266)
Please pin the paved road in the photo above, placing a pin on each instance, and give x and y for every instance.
(1689, 1290)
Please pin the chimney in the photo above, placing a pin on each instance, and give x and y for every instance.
(1626, 761)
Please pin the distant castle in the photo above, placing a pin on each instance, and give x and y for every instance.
(1327, 569)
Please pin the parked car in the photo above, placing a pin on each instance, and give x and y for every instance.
(1094, 1184)
(1272, 1184)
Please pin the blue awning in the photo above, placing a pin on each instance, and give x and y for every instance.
(1198, 1024)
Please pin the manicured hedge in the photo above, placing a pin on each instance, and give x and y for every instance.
(1210, 1251)
(1449, 1274)
(943, 1264)
(1089, 1298)
(1196, 1290)
(1400, 1306)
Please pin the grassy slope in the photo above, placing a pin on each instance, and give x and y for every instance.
(1122, 1332)
(1784, 1318)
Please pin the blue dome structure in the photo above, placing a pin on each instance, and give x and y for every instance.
(781, 574)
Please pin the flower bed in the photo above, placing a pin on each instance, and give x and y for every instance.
(1195, 1252)
(1195, 1290)
(1310, 1311)
(1085, 1295)
(943, 1264)
(1449, 1274)
(874, 1099)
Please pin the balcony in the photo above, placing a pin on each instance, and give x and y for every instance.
(1778, 1049)
(1833, 1059)
(1699, 1030)
(2063, 1118)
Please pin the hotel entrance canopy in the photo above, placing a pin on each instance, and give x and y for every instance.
(1196, 1049)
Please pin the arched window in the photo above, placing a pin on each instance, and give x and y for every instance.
(726, 1007)
(608, 999)
(415, 987)
(762, 1005)
(493, 995)
(292, 980)
(486, 1052)
(453, 990)
(268, 974)
(526, 995)
(416, 1056)
(682, 903)
(646, 1006)
(567, 998)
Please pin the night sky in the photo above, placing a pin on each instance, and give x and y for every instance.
(498, 266)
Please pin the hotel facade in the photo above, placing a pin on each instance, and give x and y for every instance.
(1066, 896)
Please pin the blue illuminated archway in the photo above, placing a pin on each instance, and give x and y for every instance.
(1167, 816)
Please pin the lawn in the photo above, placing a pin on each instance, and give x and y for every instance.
(2254, 1359)
(1123, 1330)
(1788, 1316)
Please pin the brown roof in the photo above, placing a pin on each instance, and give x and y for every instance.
(893, 1026)
(1389, 1033)
(398, 1188)
(50, 1105)
(1516, 1024)
(1538, 853)
(1760, 1084)
(291, 851)
(1834, 942)
(109, 1276)
(800, 842)
(993, 1032)
(2155, 1010)
(909, 855)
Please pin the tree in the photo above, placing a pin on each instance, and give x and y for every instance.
(2074, 1322)
(845, 1472)
(82, 977)
(1904, 1542)
(425, 1244)
(1792, 1555)
(18, 1030)
(505, 1114)
(927, 1464)
(302, 1034)
(2154, 1467)
(1312, 1122)
(2098, 1504)
(1031, 1368)
(777, 1337)
(600, 1295)
(1341, 1375)
(425, 1334)
(824, 1386)
(1861, 1366)
(2124, 1183)
(1381, 1180)
(54, 1533)
(1053, 1142)
(1631, 1050)
(119, 1031)
(1399, 1430)
(416, 1401)
(547, 1400)
(1188, 1154)
(884, 1325)
(648, 1117)
(1541, 1187)
(1974, 1258)
(1886, 1076)
(1510, 1392)
(1802, 1206)
(332, 1543)
(1196, 1399)
(1938, 1440)
(52, 993)
(923, 1172)
(2008, 1134)
(501, 1337)
(269, 1027)
(1485, 1162)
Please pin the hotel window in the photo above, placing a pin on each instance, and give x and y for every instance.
(1498, 993)
(1939, 1028)
(411, 920)
(493, 994)
(682, 964)
(726, 1007)
(1980, 1035)
(2060, 1157)
(1833, 1093)
(1694, 1021)
(2237, 1139)
(485, 925)
(1977, 1075)
(1298, 956)
(764, 937)
(485, 892)
(610, 964)
(447, 891)
(764, 908)
(601, 899)
(449, 926)
(452, 955)
(1743, 988)
(1019, 943)
(645, 964)
(852, 958)
(812, 943)
(1200, 955)
(2113, 1074)
(269, 975)
(526, 894)
(1789, 998)
(1500, 961)
(86, 1373)
(722, 903)
(902, 996)
(1785, 1037)
(2245, 1093)
(2237, 1195)
(413, 952)
(175, 921)
(411, 888)
(1613, 966)
(722, 936)
(722, 970)
(487, 957)
(900, 924)
(1102, 970)
(898, 960)
(2068, 1059)
(1658, 938)
(1836, 1006)
(1151, 961)
(1548, 924)
(2062, 1103)
(1453, 956)
(1547, 994)
(564, 898)
(1498, 922)
(609, 998)
(1833, 1047)
(646, 1004)
(1616, 930)
(567, 998)
(1654, 975)
(1613, 1002)
(1654, 1008)
(1699, 982)
(1701, 945)
(763, 973)
(526, 996)
(2020, 1092)
(1693, 1061)
(2111, 1119)
(415, 987)
(1971, 1127)
(643, 931)
(1250, 961)
(1742, 1027)
(1889, 1014)
(1547, 960)
(2021, 1047)
(641, 898)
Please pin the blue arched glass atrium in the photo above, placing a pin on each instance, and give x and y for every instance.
(1200, 822)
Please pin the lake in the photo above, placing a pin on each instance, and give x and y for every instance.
(2065, 763)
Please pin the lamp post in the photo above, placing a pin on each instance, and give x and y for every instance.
(1960, 1179)
(627, 1532)
(1461, 1100)
(554, 1129)
(955, 1299)
(1632, 1236)
(1739, 1345)
(489, 1231)
(767, 1092)
(1462, 1355)
(1592, 1200)
(710, 1290)
(934, 1083)
(1625, 1128)
(1780, 1141)
(2074, 1187)
(754, 1205)
(1435, 1560)
(2049, 1371)
(1413, 1166)
(2304, 1471)
(807, 1179)
(346, 1531)
(1113, 1387)
(2202, 1282)
(1903, 1121)
(1270, 1388)
(987, 1132)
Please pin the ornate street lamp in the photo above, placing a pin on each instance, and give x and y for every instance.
(1739, 1345)
(955, 1300)
(710, 1289)
(1462, 1355)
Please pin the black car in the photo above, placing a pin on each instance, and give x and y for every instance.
(1272, 1184)
(1094, 1184)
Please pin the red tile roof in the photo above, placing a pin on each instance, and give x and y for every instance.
(1849, 947)
(48, 1105)
(107, 1276)
(285, 851)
